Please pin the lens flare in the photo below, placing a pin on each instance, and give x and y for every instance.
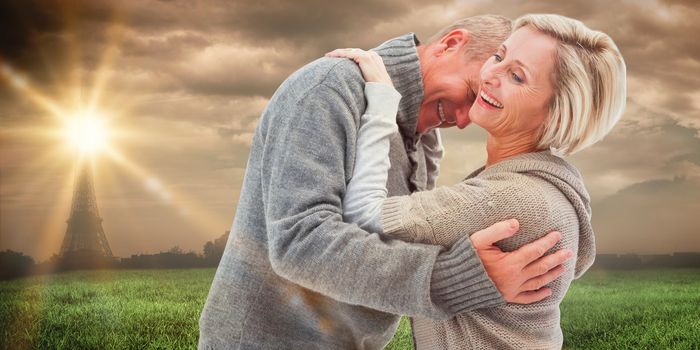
(87, 132)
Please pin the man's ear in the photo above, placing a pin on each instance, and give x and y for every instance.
(455, 40)
(439, 48)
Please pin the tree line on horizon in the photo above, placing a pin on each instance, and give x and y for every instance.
(16, 264)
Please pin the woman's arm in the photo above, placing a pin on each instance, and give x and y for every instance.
(366, 190)
(444, 215)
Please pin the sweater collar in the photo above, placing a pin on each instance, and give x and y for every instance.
(400, 56)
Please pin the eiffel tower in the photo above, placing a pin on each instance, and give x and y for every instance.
(85, 242)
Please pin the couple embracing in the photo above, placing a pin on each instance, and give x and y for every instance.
(340, 229)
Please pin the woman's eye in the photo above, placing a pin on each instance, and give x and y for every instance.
(498, 57)
(517, 78)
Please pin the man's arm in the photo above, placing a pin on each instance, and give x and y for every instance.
(303, 175)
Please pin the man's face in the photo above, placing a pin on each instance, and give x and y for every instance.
(450, 83)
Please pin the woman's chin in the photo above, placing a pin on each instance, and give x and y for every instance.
(485, 120)
(476, 119)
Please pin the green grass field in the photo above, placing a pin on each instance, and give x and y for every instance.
(159, 309)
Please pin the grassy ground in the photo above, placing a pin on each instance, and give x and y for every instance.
(159, 309)
(653, 309)
(138, 309)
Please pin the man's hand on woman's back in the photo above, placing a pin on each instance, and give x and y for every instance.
(520, 275)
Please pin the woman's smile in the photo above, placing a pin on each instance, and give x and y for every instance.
(488, 101)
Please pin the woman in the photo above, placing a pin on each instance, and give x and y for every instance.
(553, 88)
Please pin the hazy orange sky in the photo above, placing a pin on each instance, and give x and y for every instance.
(185, 81)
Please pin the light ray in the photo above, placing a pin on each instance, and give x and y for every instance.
(41, 168)
(87, 132)
(42, 174)
(73, 75)
(200, 217)
(54, 227)
(63, 110)
(20, 83)
(41, 171)
(115, 34)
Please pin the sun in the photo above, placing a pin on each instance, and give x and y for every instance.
(87, 132)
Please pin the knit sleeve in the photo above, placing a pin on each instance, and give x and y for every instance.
(444, 215)
(366, 190)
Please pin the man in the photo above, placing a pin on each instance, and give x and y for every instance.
(294, 275)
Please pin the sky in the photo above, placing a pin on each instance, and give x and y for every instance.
(182, 84)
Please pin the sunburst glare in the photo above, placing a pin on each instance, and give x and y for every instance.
(87, 132)
(87, 126)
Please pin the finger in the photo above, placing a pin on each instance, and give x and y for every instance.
(495, 233)
(546, 263)
(543, 280)
(344, 53)
(341, 54)
(533, 251)
(530, 297)
(349, 50)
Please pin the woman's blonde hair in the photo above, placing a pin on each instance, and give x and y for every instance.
(590, 84)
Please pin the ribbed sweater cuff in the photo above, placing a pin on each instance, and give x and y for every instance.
(459, 281)
(393, 210)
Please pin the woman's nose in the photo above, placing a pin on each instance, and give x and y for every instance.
(490, 76)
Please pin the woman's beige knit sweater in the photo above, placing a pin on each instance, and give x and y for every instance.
(544, 193)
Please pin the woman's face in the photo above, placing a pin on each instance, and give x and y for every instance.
(516, 85)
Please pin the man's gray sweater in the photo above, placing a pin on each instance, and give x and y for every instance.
(294, 275)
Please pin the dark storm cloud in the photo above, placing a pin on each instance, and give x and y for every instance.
(257, 21)
(276, 20)
(650, 34)
(165, 37)
(21, 24)
(255, 45)
(301, 20)
(43, 37)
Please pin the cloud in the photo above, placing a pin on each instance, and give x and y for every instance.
(189, 80)
(168, 44)
(235, 70)
(650, 146)
(656, 216)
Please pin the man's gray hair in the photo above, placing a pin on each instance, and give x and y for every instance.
(486, 33)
